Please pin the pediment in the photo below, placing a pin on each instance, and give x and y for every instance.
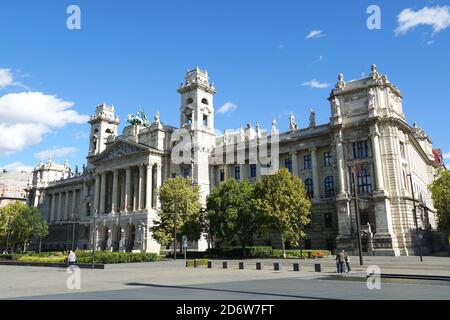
(119, 149)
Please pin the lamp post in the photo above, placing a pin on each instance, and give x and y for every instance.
(415, 217)
(94, 238)
(8, 235)
(73, 231)
(175, 208)
(358, 222)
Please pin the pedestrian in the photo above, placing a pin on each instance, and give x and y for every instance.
(72, 258)
(347, 262)
(337, 262)
(341, 259)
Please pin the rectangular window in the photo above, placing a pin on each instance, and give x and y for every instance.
(360, 150)
(237, 173)
(307, 163)
(222, 175)
(402, 150)
(288, 164)
(327, 159)
(253, 171)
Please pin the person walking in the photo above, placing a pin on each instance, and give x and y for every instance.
(72, 258)
(347, 262)
(341, 261)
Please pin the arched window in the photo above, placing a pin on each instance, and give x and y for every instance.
(108, 131)
(329, 186)
(205, 101)
(189, 101)
(309, 188)
(364, 182)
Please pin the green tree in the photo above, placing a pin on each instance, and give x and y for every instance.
(181, 199)
(231, 214)
(281, 198)
(440, 190)
(23, 223)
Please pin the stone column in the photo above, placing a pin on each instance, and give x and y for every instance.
(103, 193)
(377, 159)
(59, 213)
(158, 183)
(97, 193)
(340, 163)
(315, 173)
(294, 159)
(127, 201)
(74, 204)
(52, 208)
(135, 191)
(122, 192)
(67, 206)
(141, 187)
(115, 208)
(149, 187)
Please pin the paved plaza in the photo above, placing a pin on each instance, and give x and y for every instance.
(171, 280)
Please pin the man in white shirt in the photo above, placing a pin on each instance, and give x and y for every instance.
(72, 258)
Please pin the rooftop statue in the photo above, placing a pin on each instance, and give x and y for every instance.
(139, 118)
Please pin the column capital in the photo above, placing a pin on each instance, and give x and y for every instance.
(312, 149)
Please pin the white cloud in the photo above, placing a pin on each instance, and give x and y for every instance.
(319, 59)
(227, 107)
(315, 34)
(437, 17)
(315, 84)
(55, 153)
(17, 166)
(6, 78)
(26, 117)
(81, 135)
(446, 156)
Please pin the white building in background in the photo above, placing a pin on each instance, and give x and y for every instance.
(367, 140)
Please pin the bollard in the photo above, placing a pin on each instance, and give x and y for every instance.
(210, 264)
(241, 265)
(195, 263)
(277, 266)
(225, 265)
(296, 267)
(187, 264)
(259, 266)
(317, 267)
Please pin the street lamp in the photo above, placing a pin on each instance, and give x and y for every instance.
(94, 238)
(73, 231)
(175, 208)
(8, 235)
(358, 221)
(415, 217)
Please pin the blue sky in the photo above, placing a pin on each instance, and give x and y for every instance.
(135, 53)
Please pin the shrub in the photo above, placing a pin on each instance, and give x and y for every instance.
(200, 262)
(115, 257)
(34, 259)
(264, 252)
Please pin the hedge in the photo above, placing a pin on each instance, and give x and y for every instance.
(264, 252)
(86, 257)
(200, 262)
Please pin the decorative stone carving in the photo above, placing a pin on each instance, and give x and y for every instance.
(372, 94)
(292, 124)
(274, 125)
(157, 117)
(312, 118)
(341, 82)
(120, 150)
(336, 106)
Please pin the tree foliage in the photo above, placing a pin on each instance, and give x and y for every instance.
(281, 198)
(181, 199)
(231, 213)
(440, 190)
(23, 223)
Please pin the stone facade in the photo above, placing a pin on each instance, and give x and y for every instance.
(13, 187)
(366, 149)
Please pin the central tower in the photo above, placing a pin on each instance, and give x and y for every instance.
(197, 116)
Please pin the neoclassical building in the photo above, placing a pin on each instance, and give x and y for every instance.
(367, 154)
